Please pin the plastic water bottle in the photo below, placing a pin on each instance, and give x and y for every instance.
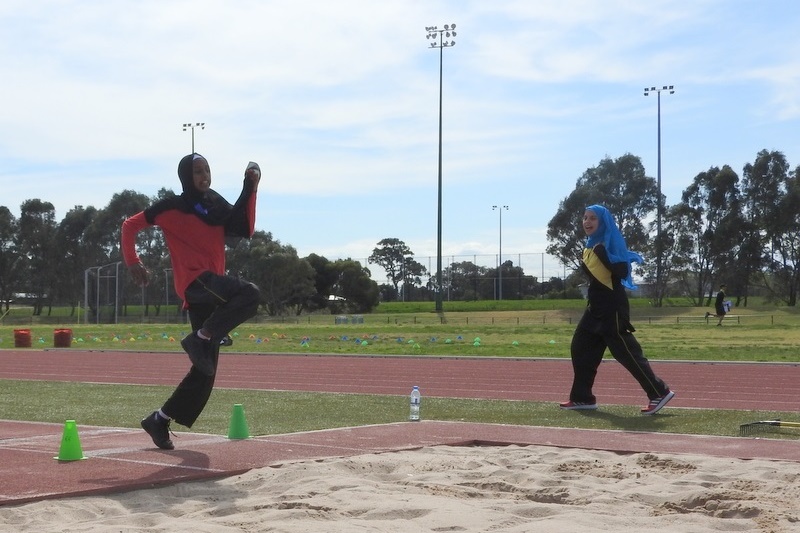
(415, 400)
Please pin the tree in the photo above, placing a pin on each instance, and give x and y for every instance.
(413, 272)
(705, 229)
(390, 255)
(360, 293)
(325, 276)
(38, 250)
(346, 281)
(106, 228)
(9, 257)
(286, 281)
(465, 281)
(516, 285)
(787, 240)
(771, 209)
(76, 253)
(397, 260)
(621, 186)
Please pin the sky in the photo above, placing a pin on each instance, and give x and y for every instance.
(339, 104)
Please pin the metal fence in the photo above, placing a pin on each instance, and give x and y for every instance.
(105, 298)
(102, 293)
(540, 265)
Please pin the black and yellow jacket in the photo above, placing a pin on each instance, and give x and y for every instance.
(606, 294)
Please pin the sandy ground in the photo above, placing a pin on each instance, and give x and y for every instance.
(452, 489)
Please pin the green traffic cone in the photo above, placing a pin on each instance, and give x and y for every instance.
(70, 443)
(238, 427)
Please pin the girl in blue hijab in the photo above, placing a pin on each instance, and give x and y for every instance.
(608, 235)
(606, 322)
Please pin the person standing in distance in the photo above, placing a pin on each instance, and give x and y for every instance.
(195, 225)
(606, 321)
(719, 305)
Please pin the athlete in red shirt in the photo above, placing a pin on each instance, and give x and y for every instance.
(195, 225)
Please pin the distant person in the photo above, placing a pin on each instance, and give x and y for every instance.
(195, 225)
(606, 321)
(719, 305)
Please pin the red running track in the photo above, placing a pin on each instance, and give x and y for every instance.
(757, 386)
(123, 458)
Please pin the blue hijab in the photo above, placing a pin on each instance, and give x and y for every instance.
(608, 235)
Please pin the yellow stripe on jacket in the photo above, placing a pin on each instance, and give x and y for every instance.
(596, 268)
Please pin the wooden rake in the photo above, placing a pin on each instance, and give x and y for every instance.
(765, 425)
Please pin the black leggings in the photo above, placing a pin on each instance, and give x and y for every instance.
(592, 336)
(218, 304)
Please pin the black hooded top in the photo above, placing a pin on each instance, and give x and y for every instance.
(194, 225)
(212, 208)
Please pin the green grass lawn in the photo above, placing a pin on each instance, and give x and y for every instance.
(670, 333)
(274, 412)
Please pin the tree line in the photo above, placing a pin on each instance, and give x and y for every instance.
(409, 280)
(741, 231)
(45, 263)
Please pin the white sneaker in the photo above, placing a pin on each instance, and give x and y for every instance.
(656, 404)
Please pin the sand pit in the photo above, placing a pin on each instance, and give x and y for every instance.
(453, 489)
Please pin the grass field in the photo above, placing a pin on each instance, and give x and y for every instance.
(764, 334)
(276, 412)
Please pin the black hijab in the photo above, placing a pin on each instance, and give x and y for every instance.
(210, 207)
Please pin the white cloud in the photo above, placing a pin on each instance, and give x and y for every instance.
(339, 103)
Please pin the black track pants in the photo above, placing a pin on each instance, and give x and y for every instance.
(218, 304)
(591, 338)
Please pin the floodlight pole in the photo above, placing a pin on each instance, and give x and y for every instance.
(435, 33)
(189, 126)
(500, 252)
(659, 204)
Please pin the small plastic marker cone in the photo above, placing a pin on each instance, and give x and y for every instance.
(238, 427)
(70, 443)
